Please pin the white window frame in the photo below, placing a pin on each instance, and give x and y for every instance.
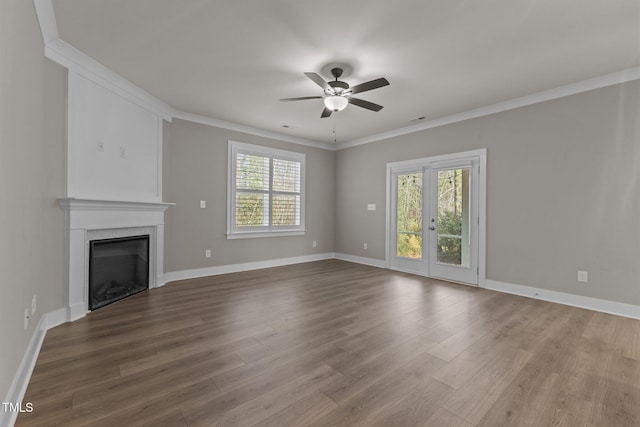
(234, 232)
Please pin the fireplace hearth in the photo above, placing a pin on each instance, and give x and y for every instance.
(118, 268)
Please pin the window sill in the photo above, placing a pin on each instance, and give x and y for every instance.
(258, 234)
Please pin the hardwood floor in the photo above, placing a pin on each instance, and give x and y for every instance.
(335, 343)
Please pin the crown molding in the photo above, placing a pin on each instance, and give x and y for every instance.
(250, 130)
(66, 55)
(611, 79)
(75, 61)
(47, 20)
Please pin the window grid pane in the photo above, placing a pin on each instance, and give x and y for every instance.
(285, 210)
(409, 216)
(252, 209)
(252, 172)
(286, 176)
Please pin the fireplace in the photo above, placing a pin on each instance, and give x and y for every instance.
(89, 220)
(118, 268)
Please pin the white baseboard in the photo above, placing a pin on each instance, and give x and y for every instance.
(75, 312)
(605, 306)
(22, 377)
(247, 266)
(361, 260)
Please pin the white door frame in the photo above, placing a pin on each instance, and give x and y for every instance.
(425, 164)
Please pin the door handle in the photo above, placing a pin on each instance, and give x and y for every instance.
(432, 228)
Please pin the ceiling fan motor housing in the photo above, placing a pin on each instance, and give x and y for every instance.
(338, 86)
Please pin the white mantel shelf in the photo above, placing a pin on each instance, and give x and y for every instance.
(71, 203)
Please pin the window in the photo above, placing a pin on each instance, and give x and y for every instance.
(266, 192)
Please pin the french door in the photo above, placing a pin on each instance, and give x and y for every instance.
(434, 216)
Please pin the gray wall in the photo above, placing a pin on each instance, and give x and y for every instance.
(563, 191)
(32, 135)
(195, 168)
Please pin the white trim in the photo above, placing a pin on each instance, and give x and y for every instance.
(482, 217)
(611, 79)
(258, 234)
(409, 271)
(47, 20)
(66, 55)
(23, 375)
(59, 51)
(111, 205)
(246, 266)
(160, 161)
(595, 304)
(426, 163)
(87, 219)
(418, 163)
(75, 61)
(251, 130)
(360, 260)
(234, 232)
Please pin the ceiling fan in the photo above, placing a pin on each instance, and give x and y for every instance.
(338, 94)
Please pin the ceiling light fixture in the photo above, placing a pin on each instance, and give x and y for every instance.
(335, 102)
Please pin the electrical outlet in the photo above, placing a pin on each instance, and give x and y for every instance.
(34, 305)
(100, 146)
(315, 244)
(371, 206)
(26, 319)
(207, 253)
(203, 204)
(583, 276)
(365, 246)
(123, 153)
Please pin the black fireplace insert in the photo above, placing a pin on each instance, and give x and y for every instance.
(118, 268)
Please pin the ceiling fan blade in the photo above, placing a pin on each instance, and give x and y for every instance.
(302, 98)
(318, 80)
(365, 104)
(325, 113)
(373, 84)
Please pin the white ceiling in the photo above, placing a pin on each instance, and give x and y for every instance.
(234, 60)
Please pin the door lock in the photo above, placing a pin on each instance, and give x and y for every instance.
(432, 228)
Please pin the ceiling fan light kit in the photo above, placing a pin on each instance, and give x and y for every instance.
(337, 94)
(335, 102)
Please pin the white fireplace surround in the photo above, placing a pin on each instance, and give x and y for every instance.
(88, 220)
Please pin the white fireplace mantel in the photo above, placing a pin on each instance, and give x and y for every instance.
(85, 219)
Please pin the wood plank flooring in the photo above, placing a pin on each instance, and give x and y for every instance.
(340, 344)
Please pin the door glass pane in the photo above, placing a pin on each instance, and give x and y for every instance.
(453, 245)
(409, 216)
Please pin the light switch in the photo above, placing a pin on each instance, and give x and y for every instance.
(100, 146)
(583, 276)
(203, 204)
(123, 152)
(371, 207)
